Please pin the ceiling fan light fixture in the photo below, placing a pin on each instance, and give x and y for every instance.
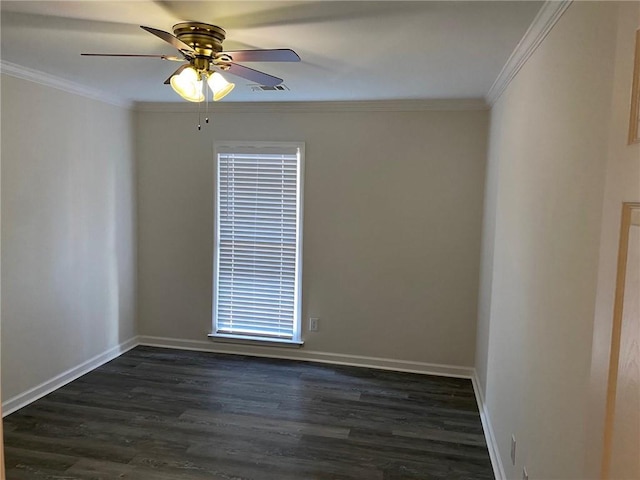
(219, 86)
(188, 85)
(200, 45)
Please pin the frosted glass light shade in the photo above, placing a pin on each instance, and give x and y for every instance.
(219, 86)
(188, 85)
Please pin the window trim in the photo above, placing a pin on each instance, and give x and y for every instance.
(296, 340)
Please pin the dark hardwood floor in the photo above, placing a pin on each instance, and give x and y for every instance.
(168, 414)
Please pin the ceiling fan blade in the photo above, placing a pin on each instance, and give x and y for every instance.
(177, 72)
(167, 37)
(163, 57)
(275, 55)
(254, 75)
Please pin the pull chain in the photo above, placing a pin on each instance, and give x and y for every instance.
(206, 99)
(199, 110)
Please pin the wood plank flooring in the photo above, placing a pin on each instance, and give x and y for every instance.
(168, 414)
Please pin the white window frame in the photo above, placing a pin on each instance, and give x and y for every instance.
(296, 339)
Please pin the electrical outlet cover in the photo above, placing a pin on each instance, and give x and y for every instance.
(313, 324)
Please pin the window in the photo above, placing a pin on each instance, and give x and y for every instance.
(258, 240)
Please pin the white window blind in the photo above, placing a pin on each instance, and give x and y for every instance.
(258, 240)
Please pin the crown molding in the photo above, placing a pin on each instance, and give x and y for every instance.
(542, 24)
(319, 107)
(24, 73)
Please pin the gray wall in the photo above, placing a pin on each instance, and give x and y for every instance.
(392, 223)
(68, 237)
(547, 165)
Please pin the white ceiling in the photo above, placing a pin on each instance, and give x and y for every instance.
(357, 50)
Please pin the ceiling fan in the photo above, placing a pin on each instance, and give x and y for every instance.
(200, 45)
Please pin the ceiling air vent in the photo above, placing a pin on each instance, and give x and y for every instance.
(264, 88)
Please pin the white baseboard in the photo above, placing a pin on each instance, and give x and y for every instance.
(23, 399)
(309, 356)
(492, 445)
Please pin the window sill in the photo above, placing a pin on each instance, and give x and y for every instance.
(261, 341)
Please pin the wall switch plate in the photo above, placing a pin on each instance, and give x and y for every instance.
(525, 475)
(513, 449)
(313, 324)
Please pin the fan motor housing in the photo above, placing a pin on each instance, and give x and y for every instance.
(204, 38)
